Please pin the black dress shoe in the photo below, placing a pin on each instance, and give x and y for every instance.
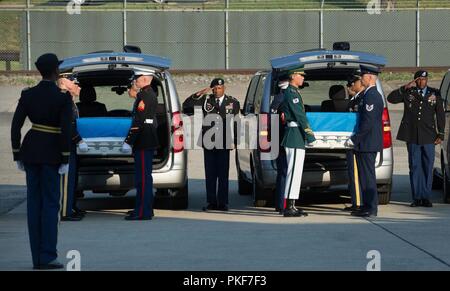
(289, 213)
(364, 213)
(78, 211)
(71, 218)
(133, 217)
(292, 212)
(416, 203)
(53, 265)
(301, 212)
(426, 203)
(351, 208)
(222, 207)
(210, 206)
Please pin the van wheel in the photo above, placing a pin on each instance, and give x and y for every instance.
(172, 198)
(261, 197)
(445, 184)
(384, 194)
(244, 187)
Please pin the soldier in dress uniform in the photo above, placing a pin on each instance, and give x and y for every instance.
(356, 89)
(43, 155)
(422, 127)
(296, 135)
(217, 154)
(368, 140)
(69, 182)
(142, 140)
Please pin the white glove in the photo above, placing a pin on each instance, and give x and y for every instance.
(126, 148)
(63, 169)
(83, 146)
(311, 144)
(349, 143)
(20, 166)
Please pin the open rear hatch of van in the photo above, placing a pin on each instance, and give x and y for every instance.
(105, 134)
(331, 129)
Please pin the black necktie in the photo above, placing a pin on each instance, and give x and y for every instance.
(217, 103)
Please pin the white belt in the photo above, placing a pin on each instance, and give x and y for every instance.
(292, 124)
(148, 121)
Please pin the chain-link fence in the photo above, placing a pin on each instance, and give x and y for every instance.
(233, 34)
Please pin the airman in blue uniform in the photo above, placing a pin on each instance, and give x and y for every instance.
(368, 140)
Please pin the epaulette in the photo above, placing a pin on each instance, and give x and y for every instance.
(232, 98)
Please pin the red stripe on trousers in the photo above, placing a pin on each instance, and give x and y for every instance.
(143, 184)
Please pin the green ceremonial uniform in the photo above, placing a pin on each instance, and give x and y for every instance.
(298, 131)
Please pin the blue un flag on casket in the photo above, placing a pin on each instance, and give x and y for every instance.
(332, 129)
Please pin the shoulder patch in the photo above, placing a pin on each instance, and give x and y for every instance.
(369, 107)
(295, 100)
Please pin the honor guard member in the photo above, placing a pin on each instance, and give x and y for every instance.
(283, 83)
(43, 155)
(422, 127)
(216, 159)
(142, 140)
(368, 140)
(69, 182)
(296, 135)
(356, 89)
(132, 93)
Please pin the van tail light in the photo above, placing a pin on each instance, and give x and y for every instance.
(177, 132)
(264, 133)
(387, 137)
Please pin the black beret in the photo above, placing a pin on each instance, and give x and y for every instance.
(217, 81)
(421, 73)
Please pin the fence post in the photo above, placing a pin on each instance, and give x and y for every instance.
(321, 24)
(28, 32)
(227, 39)
(124, 14)
(418, 34)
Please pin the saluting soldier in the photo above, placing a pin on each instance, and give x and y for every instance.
(70, 181)
(356, 89)
(43, 155)
(368, 140)
(422, 127)
(142, 139)
(217, 154)
(297, 133)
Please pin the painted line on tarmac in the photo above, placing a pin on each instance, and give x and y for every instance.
(410, 243)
